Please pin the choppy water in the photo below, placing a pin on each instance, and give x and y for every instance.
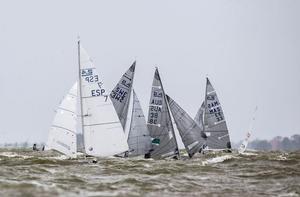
(27, 173)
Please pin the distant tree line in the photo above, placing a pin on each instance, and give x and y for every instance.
(277, 143)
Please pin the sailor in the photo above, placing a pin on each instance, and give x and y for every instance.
(34, 148)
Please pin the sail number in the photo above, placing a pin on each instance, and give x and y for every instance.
(154, 112)
(119, 94)
(214, 108)
(92, 79)
(155, 108)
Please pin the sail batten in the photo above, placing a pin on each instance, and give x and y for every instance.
(159, 122)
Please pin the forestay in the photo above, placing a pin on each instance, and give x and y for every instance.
(215, 126)
(139, 139)
(159, 123)
(102, 130)
(192, 139)
(120, 95)
(62, 134)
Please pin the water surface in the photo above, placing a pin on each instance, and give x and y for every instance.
(27, 173)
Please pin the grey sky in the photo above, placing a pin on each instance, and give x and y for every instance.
(249, 49)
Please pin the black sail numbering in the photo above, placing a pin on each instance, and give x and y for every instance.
(120, 95)
(192, 139)
(164, 144)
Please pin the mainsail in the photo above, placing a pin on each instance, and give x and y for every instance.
(120, 95)
(160, 124)
(62, 134)
(192, 139)
(139, 139)
(102, 131)
(213, 120)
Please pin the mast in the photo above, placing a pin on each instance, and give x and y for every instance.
(80, 94)
(205, 106)
(168, 109)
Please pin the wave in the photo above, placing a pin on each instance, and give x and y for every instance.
(218, 159)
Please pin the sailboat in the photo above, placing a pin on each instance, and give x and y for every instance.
(245, 142)
(134, 123)
(210, 118)
(62, 134)
(164, 144)
(193, 140)
(139, 140)
(102, 130)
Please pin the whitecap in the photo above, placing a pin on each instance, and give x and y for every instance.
(219, 159)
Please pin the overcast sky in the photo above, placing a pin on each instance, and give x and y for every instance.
(249, 49)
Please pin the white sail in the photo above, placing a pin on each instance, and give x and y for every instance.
(244, 144)
(120, 95)
(139, 139)
(62, 134)
(102, 131)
